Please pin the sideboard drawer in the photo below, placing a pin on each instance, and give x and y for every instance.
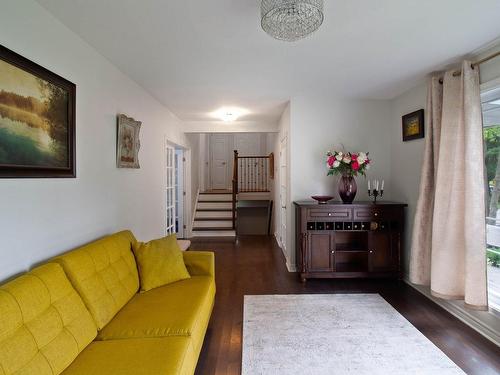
(374, 213)
(334, 213)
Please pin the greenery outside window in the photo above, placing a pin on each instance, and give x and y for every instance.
(491, 120)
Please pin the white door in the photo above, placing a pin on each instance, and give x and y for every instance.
(283, 192)
(219, 161)
(170, 190)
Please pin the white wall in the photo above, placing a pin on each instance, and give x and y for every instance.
(406, 160)
(320, 122)
(43, 217)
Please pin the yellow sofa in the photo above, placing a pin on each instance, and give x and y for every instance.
(81, 314)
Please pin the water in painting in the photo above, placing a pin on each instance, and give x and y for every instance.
(33, 120)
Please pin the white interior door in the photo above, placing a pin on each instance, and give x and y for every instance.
(170, 190)
(219, 161)
(283, 192)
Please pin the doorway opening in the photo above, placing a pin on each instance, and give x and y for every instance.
(175, 190)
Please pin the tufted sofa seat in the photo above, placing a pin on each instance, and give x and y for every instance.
(81, 313)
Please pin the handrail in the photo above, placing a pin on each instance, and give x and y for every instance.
(255, 174)
(235, 186)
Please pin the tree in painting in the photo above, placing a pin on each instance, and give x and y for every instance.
(33, 120)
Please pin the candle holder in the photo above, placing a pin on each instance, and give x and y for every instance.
(375, 193)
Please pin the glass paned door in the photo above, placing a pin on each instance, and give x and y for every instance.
(170, 191)
(491, 132)
(179, 192)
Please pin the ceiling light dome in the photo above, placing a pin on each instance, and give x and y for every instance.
(291, 20)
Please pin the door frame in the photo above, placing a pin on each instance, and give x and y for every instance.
(228, 161)
(283, 216)
(170, 190)
(180, 172)
(186, 185)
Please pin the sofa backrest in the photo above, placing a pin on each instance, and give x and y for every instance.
(44, 324)
(104, 273)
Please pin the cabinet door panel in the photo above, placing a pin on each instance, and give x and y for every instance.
(320, 256)
(382, 256)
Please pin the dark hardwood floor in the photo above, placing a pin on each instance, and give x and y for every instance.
(255, 265)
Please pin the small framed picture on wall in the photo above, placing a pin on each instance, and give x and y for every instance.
(413, 125)
(128, 143)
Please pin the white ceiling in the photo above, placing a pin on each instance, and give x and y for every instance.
(198, 55)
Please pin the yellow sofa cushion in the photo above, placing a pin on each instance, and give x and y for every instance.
(161, 356)
(178, 309)
(104, 273)
(43, 323)
(160, 262)
(200, 263)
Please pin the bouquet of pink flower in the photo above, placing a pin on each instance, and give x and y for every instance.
(347, 163)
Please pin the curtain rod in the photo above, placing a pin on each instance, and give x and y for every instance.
(474, 64)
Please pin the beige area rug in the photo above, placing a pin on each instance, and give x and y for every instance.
(337, 334)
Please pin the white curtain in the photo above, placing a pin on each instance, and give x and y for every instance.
(449, 240)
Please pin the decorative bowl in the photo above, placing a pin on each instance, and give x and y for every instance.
(322, 199)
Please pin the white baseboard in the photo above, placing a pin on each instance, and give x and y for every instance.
(484, 322)
(189, 228)
(277, 238)
(289, 266)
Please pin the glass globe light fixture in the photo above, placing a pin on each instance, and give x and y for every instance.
(291, 20)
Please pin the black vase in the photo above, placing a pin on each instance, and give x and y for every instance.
(347, 189)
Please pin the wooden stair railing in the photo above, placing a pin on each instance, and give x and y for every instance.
(251, 174)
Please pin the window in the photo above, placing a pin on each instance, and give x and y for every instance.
(490, 99)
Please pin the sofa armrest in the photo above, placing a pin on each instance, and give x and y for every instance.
(200, 263)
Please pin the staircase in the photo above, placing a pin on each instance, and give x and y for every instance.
(216, 210)
(214, 215)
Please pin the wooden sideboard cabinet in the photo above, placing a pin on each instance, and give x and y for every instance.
(346, 241)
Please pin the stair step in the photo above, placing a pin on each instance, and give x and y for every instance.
(216, 215)
(214, 209)
(215, 205)
(213, 218)
(212, 229)
(213, 224)
(215, 201)
(215, 198)
(216, 192)
(217, 233)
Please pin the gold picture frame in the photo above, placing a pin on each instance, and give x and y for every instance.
(128, 143)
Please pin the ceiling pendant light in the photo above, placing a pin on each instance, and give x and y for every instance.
(291, 20)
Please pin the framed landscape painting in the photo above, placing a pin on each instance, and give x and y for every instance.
(37, 120)
(413, 125)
